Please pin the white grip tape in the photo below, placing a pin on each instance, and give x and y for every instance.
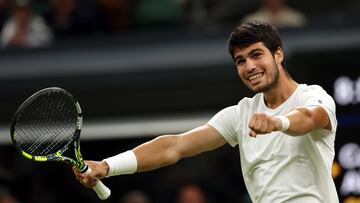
(101, 190)
(123, 163)
(285, 123)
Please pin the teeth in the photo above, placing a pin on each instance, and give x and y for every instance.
(253, 77)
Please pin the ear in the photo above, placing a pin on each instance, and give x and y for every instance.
(279, 56)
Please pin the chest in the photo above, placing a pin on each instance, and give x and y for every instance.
(273, 147)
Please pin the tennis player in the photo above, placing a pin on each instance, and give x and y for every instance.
(285, 133)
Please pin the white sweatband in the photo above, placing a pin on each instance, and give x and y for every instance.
(285, 123)
(124, 163)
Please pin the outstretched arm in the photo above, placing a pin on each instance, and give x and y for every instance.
(301, 121)
(161, 151)
(168, 149)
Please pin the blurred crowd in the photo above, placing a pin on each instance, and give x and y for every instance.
(187, 193)
(37, 23)
(6, 195)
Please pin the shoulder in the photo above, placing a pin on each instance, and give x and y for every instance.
(293, 11)
(312, 89)
(38, 21)
(242, 108)
(248, 103)
(315, 94)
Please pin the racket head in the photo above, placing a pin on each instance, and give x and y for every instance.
(46, 125)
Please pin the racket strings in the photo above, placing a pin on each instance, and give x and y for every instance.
(39, 144)
(47, 124)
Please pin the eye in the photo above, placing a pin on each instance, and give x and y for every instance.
(257, 55)
(240, 61)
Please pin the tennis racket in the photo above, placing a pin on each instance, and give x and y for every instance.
(47, 126)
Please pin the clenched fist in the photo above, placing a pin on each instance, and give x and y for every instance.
(261, 123)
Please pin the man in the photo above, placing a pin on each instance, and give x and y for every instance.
(24, 28)
(285, 133)
(279, 14)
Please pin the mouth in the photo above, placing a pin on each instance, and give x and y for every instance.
(255, 77)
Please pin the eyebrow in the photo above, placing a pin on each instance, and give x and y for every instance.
(250, 53)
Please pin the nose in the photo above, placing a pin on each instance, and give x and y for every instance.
(250, 65)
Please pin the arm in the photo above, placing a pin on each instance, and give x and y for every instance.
(161, 151)
(168, 149)
(302, 120)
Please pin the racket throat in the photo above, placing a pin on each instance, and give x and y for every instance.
(83, 169)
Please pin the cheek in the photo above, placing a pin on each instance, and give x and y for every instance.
(240, 72)
(242, 77)
(270, 62)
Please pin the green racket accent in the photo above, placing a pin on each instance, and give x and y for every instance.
(36, 158)
(58, 156)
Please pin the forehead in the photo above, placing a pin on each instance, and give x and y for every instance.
(245, 51)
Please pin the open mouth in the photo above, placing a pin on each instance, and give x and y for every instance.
(255, 76)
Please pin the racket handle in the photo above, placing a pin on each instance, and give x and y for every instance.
(101, 190)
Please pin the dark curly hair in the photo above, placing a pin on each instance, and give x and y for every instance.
(252, 32)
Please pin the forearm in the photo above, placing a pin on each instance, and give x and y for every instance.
(151, 155)
(165, 150)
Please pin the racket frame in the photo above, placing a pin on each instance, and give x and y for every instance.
(58, 156)
(102, 191)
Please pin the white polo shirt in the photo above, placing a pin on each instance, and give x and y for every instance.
(278, 167)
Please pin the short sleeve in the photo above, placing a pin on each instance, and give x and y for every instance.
(319, 97)
(226, 122)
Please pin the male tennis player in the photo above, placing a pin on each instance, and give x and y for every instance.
(285, 133)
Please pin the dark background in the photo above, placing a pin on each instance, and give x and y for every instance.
(160, 66)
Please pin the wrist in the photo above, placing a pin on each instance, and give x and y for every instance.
(121, 164)
(105, 167)
(285, 123)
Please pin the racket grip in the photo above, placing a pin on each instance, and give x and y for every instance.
(101, 190)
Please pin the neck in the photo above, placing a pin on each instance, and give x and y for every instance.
(280, 93)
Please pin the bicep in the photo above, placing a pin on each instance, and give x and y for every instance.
(198, 140)
(320, 117)
(321, 107)
(315, 117)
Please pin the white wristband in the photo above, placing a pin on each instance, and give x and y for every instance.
(285, 123)
(124, 163)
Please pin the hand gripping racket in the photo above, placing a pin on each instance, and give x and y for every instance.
(47, 126)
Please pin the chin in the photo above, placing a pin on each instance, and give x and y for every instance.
(259, 88)
(254, 89)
